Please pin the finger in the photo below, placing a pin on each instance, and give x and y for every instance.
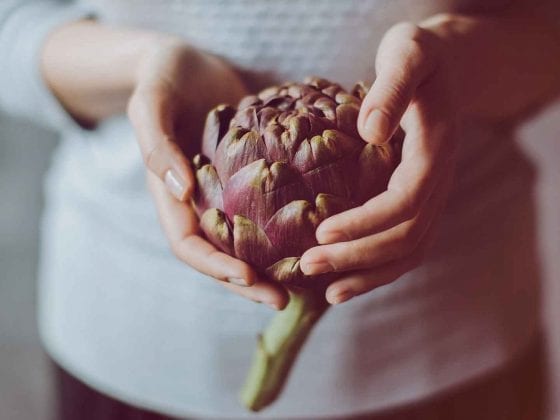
(180, 225)
(360, 282)
(428, 154)
(265, 292)
(375, 250)
(404, 60)
(151, 113)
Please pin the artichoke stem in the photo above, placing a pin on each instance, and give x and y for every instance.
(279, 345)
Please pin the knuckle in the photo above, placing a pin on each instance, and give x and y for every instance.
(139, 99)
(413, 43)
(175, 248)
(356, 257)
(420, 47)
(363, 254)
(410, 204)
(345, 257)
(397, 97)
(133, 107)
(442, 21)
(149, 157)
(154, 157)
(411, 35)
(403, 31)
(145, 99)
(179, 244)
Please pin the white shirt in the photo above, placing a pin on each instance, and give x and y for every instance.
(122, 314)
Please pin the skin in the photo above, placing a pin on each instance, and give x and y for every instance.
(430, 77)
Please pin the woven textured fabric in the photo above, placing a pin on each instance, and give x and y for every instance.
(294, 38)
(118, 311)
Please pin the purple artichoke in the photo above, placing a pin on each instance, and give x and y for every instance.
(277, 166)
(270, 171)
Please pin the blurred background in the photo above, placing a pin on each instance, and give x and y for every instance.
(25, 150)
(24, 377)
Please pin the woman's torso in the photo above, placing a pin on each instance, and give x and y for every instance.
(119, 311)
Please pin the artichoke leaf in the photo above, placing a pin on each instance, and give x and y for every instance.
(286, 271)
(346, 117)
(292, 228)
(251, 243)
(328, 205)
(208, 191)
(217, 124)
(258, 190)
(215, 226)
(239, 148)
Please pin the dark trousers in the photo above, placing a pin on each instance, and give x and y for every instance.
(516, 392)
(77, 401)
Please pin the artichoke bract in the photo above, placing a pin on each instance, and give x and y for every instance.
(270, 171)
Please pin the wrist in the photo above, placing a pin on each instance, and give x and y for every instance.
(94, 77)
(500, 67)
(154, 49)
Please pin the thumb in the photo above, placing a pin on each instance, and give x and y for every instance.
(405, 59)
(150, 113)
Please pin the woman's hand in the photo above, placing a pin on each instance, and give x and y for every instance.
(176, 87)
(167, 88)
(496, 68)
(386, 237)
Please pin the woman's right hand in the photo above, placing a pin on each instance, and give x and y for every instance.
(167, 88)
(175, 88)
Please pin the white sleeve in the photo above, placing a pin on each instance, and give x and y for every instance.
(24, 26)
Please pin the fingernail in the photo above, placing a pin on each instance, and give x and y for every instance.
(339, 296)
(376, 127)
(318, 267)
(271, 304)
(175, 184)
(274, 306)
(238, 281)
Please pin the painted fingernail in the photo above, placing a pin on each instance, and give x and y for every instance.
(340, 296)
(175, 184)
(376, 127)
(317, 267)
(238, 281)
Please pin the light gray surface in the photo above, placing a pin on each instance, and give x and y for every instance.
(24, 380)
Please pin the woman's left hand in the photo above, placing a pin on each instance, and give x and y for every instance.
(379, 241)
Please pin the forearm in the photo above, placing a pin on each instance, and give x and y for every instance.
(91, 68)
(499, 67)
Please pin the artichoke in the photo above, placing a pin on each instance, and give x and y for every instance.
(270, 171)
